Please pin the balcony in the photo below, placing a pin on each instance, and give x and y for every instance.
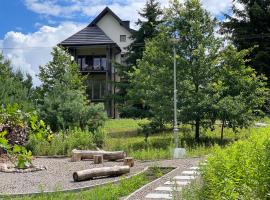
(92, 63)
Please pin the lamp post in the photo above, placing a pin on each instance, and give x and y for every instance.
(178, 152)
(175, 126)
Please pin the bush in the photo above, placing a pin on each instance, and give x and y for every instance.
(63, 142)
(240, 171)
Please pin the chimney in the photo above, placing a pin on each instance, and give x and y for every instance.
(126, 23)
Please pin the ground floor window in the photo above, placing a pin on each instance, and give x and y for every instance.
(96, 89)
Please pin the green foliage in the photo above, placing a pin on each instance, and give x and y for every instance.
(133, 106)
(240, 171)
(18, 155)
(63, 142)
(14, 87)
(239, 93)
(250, 26)
(63, 102)
(213, 81)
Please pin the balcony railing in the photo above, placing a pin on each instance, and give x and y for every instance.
(92, 64)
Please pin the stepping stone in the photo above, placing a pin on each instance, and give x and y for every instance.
(168, 189)
(180, 183)
(190, 173)
(184, 177)
(194, 168)
(158, 196)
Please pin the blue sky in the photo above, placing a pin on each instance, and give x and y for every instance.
(30, 28)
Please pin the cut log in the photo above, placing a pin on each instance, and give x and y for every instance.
(89, 174)
(98, 159)
(129, 161)
(78, 155)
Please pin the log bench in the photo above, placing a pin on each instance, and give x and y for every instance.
(78, 155)
(89, 174)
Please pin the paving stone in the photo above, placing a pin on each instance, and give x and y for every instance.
(168, 189)
(194, 168)
(180, 183)
(190, 173)
(184, 177)
(158, 196)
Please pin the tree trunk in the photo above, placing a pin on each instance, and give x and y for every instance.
(197, 129)
(99, 172)
(78, 155)
(222, 131)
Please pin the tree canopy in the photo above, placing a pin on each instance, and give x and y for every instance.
(14, 87)
(205, 71)
(63, 102)
(249, 26)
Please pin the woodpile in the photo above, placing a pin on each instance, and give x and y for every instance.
(78, 155)
(15, 134)
(89, 174)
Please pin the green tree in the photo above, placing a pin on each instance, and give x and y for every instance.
(148, 28)
(240, 93)
(198, 49)
(64, 103)
(250, 26)
(15, 89)
(213, 84)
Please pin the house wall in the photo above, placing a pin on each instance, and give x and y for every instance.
(113, 30)
(91, 51)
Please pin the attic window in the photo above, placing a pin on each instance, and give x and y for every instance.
(123, 38)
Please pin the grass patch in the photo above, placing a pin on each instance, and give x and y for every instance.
(107, 192)
(120, 126)
(159, 145)
(239, 171)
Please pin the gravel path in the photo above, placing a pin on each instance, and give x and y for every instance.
(58, 175)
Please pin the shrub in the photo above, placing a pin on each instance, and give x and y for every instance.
(240, 171)
(63, 142)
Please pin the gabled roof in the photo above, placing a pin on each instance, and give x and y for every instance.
(104, 12)
(92, 34)
(88, 36)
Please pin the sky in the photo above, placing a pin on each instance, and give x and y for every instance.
(30, 28)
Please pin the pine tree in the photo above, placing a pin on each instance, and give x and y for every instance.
(63, 102)
(14, 87)
(148, 28)
(250, 26)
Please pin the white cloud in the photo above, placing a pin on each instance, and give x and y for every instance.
(126, 9)
(18, 47)
(28, 59)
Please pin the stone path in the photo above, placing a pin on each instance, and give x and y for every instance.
(170, 189)
(169, 186)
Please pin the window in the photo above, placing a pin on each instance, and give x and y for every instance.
(123, 38)
(90, 63)
(96, 89)
(100, 63)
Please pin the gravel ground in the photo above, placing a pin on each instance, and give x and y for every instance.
(182, 165)
(58, 175)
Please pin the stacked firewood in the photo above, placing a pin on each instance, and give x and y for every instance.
(15, 134)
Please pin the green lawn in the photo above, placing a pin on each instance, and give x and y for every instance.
(119, 126)
(123, 135)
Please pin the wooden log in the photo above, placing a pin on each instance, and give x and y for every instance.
(78, 155)
(89, 174)
(129, 161)
(98, 159)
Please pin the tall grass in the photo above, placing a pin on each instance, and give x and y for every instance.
(238, 171)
